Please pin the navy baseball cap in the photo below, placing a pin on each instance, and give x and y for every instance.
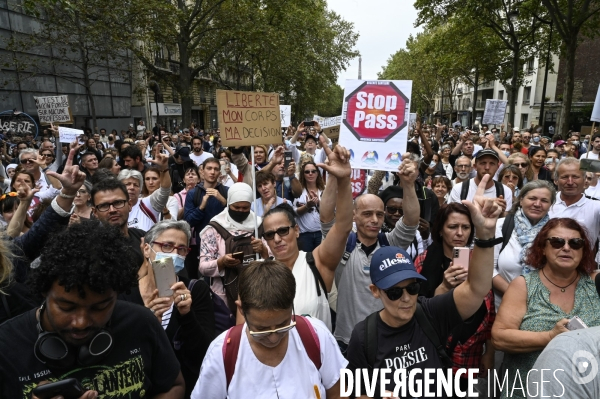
(390, 266)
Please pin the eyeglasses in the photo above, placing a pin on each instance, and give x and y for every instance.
(574, 243)
(462, 166)
(27, 161)
(310, 172)
(258, 335)
(520, 165)
(167, 247)
(396, 293)
(393, 211)
(281, 232)
(116, 204)
(47, 156)
(11, 194)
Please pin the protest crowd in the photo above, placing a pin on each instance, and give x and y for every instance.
(477, 253)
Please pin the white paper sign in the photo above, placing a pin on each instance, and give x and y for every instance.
(68, 135)
(286, 115)
(375, 121)
(494, 113)
(54, 109)
(328, 122)
(596, 111)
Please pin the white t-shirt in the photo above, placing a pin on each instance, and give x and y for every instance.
(306, 301)
(590, 155)
(295, 377)
(138, 219)
(490, 193)
(311, 220)
(198, 159)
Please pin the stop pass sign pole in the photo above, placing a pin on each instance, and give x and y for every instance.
(375, 122)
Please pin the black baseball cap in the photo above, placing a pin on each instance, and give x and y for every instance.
(487, 151)
(183, 153)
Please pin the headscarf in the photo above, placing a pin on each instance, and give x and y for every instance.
(238, 192)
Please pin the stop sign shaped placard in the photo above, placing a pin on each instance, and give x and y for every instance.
(376, 111)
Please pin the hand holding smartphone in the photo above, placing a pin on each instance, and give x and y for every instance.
(164, 276)
(461, 257)
(69, 388)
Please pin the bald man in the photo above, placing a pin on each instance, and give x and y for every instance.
(355, 301)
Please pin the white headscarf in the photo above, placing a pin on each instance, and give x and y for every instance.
(239, 192)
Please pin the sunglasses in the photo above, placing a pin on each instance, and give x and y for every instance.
(11, 194)
(47, 156)
(310, 172)
(574, 243)
(520, 165)
(27, 161)
(281, 232)
(393, 211)
(396, 293)
(258, 335)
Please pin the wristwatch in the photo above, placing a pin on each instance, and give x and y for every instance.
(488, 243)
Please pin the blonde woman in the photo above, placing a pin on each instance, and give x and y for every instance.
(522, 161)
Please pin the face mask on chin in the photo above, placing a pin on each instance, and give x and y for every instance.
(238, 216)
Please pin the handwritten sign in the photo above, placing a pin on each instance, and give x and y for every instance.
(248, 118)
(494, 113)
(53, 109)
(286, 115)
(328, 122)
(17, 126)
(68, 135)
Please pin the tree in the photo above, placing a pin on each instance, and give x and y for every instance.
(571, 18)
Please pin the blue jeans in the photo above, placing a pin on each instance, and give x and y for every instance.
(308, 241)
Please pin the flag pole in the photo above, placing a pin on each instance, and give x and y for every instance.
(254, 194)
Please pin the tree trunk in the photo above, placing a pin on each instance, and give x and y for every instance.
(88, 91)
(185, 85)
(513, 87)
(565, 111)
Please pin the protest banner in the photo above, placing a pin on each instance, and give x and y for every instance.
(248, 118)
(54, 109)
(596, 111)
(330, 126)
(375, 122)
(68, 135)
(358, 180)
(494, 112)
(286, 115)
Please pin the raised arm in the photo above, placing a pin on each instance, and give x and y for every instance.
(328, 254)
(25, 195)
(458, 147)
(160, 197)
(484, 213)
(167, 147)
(492, 144)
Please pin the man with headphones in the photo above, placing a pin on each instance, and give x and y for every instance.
(82, 338)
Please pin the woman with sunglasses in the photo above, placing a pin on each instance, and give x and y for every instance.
(187, 315)
(537, 157)
(537, 305)
(521, 161)
(307, 206)
(276, 352)
(281, 232)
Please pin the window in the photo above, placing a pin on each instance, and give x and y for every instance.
(524, 121)
(501, 95)
(530, 65)
(214, 123)
(526, 94)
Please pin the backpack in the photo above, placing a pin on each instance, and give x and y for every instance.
(351, 244)
(424, 323)
(233, 244)
(507, 229)
(224, 317)
(464, 191)
(307, 333)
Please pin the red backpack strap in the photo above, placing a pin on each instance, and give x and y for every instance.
(231, 346)
(146, 211)
(310, 340)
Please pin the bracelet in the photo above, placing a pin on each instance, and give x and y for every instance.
(488, 243)
(63, 195)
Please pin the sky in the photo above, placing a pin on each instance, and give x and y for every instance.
(383, 25)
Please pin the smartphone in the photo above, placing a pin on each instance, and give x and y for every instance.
(223, 170)
(164, 275)
(81, 140)
(576, 324)
(287, 159)
(69, 389)
(239, 256)
(461, 257)
(309, 123)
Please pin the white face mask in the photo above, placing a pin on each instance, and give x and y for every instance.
(432, 164)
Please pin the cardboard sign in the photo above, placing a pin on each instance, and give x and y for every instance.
(596, 111)
(248, 118)
(358, 180)
(494, 112)
(286, 115)
(375, 120)
(53, 109)
(68, 135)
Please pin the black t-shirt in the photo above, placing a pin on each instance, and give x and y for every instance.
(135, 240)
(141, 362)
(406, 347)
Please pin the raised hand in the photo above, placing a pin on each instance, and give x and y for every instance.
(407, 171)
(278, 155)
(160, 160)
(339, 162)
(71, 178)
(26, 193)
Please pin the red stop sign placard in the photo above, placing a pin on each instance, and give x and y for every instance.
(375, 111)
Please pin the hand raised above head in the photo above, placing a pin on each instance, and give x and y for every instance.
(339, 162)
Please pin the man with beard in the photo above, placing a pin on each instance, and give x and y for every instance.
(80, 311)
(198, 154)
(462, 170)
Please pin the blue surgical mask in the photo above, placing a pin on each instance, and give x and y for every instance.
(507, 153)
(178, 260)
(536, 139)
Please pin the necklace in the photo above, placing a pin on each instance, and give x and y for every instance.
(562, 289)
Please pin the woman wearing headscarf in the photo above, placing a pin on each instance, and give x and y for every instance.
(237, 220)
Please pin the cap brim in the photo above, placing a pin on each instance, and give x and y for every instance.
(395, 278)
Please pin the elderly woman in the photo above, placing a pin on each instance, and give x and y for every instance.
(187, 315)
(441, 187)
(536, 306)
(83, 205)
(267, 197)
